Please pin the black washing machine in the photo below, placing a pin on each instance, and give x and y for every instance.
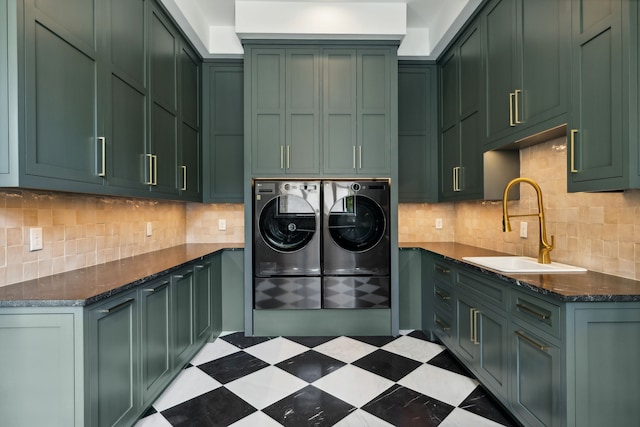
(286, 245)
(356, 244)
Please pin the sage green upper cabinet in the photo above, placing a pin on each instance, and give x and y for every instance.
(357, 111)
(8, 83)
(223, 129)
(285, 111)
(461, 123)
(124, 136)
(61, 61)
(190, 171)
(417, 133)
(526, 54)
(603, 139)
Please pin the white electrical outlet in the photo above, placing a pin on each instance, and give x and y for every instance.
(438, 223)
(35, 239)
(222, 224)
(523, 229)
(149, 230)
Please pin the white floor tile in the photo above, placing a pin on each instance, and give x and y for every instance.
(353, 385)
(360, 418)
(461, 418)
(257, 419)
(276, 350)
(212, 351)
(191, 382)
(155, 420)
(266, 386)
(414, 348)
(345, 349)
(444, 385)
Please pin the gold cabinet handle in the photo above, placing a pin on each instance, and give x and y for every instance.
(441, 269)
(443, 325)
(442, 295)
(473, 331)
(516, 108)
(282, 157)
(117, 306)
(512, 122)
(540, 316)
(157, 288)
(150, 169)
(360, 157)
(531, 341)
(476, 313)
(288, 156)
(572, 140)
(354, 157)
(155, 169)
(103, 156)
(184, 178)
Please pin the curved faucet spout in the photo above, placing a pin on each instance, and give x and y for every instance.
(544, 246)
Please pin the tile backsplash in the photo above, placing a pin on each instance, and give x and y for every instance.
(599, 231)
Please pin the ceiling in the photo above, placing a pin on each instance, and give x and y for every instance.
(430, 24)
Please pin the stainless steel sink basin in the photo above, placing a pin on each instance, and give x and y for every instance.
(521, 264)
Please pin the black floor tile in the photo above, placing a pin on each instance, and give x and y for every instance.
(377, 341)
(309, 407)
(419, 334)
(446, 360)
(233, 366)
(311, 341)
(386, 364)
(480, 402)
(219, 407)
(241, 341)
(401, 406)
(310, 365)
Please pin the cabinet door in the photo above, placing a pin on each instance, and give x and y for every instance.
(8, 155)
(161, 165)
(61, 99)
(417, 134)
(493, 350)
(466, 341)
(267, 111)
(339, 111)
(536, 379)
(410, 289)
(302, 112)
(189, 178)
(450, 134)
(183, 310)
(596, 155)
(202, 305)
(155, 329)
(500, 66)
(223, 150)
(112, 365)
(373, 156)
(126, 94)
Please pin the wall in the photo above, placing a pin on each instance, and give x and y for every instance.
(202, 220)
(599, 231)
(80, 231)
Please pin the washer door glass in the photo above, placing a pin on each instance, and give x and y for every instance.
(356, 223)
(287, 223)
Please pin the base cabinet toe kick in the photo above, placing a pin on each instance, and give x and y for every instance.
(549, 362)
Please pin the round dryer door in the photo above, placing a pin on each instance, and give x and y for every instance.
(287, 223)
(356, 223)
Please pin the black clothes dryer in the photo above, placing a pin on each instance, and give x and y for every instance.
(286, 244)
(356, 244)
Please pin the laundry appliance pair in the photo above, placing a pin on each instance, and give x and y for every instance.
(321, 244)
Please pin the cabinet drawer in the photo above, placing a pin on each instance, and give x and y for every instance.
(485, 289)
(443, 272)
(537, 312)
(443, 326)
(442, 297)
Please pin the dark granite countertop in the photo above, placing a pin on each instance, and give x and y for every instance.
(91, 284)
(569, 287)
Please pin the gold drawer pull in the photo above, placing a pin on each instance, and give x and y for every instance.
(443, 325)
(441, 269)
(442, 295)
(115, 307)
(531, 341)
(533, 312)
(157, 288)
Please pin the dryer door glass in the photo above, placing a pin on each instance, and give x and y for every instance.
(356, 223)
(287, 223)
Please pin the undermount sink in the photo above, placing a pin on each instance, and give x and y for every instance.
(521, 264)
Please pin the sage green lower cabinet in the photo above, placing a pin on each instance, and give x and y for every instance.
(410, 277)
(155, 335)
(551, 363)
(113, 355)
(183, 298)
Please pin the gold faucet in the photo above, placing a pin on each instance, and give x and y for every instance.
(545, 247)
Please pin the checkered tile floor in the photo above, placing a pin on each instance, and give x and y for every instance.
(325, 381)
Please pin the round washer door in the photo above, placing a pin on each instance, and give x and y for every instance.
(287, 223)
(356, 223)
